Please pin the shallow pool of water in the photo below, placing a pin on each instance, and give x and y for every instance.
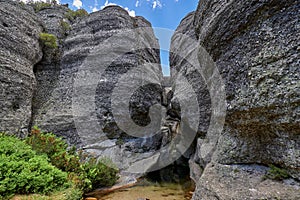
(165, 191)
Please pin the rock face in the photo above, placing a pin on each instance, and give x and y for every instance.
(71, 90)
(255, 47)
(48, 70)
(100, 87)
(79, 107)
(19, 52)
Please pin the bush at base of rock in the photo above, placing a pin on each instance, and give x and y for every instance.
(22, 171)
(85, 172)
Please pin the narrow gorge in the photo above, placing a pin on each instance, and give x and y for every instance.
(224, 118)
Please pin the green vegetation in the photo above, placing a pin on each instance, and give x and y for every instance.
(23, 171)
(41, 164)
(276, 173)
(84, 171)
(102, 173)
(120, 142)
(71, 193)
(48, 40)
(72, 15)
(55, 149)
(65, 26)
(38, 6)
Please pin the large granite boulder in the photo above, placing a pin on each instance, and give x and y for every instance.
(109, 69)
(19, 52)
(255, 47)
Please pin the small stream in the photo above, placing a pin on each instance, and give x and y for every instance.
(146, 190)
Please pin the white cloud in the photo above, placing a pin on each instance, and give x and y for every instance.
(77, 3)
(137, 4)
(130, 12)
(95, 9)
(156, 4)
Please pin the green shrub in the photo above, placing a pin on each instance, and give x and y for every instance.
(65, 26)
(38, 6)
(55, 149)
(72, 15)
(276, 173)
(85, 172)
(22, 171)
(94, 175)
(101, 173)
(73, 193)
(48, 40)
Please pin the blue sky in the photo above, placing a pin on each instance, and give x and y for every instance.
(161, 13)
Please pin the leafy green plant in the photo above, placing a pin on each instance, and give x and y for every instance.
(73, 193)
(55, 149)
(85, 172)
(276, 173)
(22, 171)
(72, 15)
(48, 40)
(100, 173)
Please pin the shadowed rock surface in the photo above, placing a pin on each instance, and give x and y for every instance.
(19, 52)
(255, 47)
(47, 71)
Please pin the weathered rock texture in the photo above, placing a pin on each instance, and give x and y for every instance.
(48, 71)
(55, 111)
(39, 87)
(71, 90)
(255, 47)
(19, 52)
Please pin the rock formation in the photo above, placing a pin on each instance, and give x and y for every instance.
(19, 52)
(234, 87)
(50, 86)
(255, 47)
(57, 113)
